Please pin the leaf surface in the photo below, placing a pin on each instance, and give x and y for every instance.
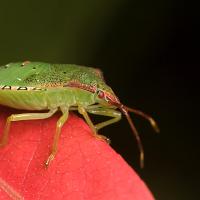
(85, 168)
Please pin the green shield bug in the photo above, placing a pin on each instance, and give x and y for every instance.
(42, 86)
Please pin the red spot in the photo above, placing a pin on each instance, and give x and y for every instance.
(77, 84)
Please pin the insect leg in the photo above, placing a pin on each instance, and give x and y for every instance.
(59, 125)
(19, 117)
(83, 112)
(105, 112)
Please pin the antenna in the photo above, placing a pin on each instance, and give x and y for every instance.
(125, 111)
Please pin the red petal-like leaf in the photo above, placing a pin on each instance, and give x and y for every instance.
(85, 168)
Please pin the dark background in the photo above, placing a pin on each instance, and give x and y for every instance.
(148, 51)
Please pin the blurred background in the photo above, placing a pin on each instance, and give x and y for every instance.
(148, 51)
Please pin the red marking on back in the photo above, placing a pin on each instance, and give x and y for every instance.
(110, 98)
(77, 84)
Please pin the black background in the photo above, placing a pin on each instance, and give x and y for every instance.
(149, 53)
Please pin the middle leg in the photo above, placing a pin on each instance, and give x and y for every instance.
(59, 126)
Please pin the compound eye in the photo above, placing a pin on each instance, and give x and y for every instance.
(100, 94)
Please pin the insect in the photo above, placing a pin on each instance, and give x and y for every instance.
(40, 86)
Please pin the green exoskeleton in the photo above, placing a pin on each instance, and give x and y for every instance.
(40, 86)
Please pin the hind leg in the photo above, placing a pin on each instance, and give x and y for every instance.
(20, 117)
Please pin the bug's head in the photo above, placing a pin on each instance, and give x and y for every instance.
(107, 97)
(110, 98)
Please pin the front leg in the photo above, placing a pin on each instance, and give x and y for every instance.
(116, 115)
(83, 112)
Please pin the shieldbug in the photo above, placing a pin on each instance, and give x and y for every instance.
(42, 86)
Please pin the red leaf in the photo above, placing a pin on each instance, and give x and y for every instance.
(85, 168)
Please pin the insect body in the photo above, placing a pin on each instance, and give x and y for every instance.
(52, 87)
